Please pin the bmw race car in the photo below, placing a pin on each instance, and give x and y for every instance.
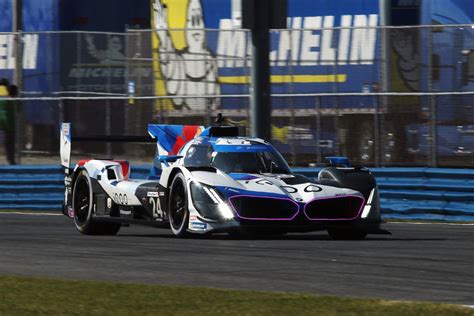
(211, 180)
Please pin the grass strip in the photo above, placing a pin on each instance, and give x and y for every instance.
(42, 296)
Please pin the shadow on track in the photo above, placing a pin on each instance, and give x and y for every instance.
(320, 237)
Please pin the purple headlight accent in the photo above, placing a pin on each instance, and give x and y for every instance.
(295, 211)
(323, 218)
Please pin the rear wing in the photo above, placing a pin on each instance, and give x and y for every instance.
(66, 138)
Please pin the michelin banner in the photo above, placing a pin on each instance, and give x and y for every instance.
(199, 50)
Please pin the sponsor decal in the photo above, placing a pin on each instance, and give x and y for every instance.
(192, 217)
(113, 52)
(152, 194)
(109, 203)
(183, 67)
(70, 212)
(309, 47)
(121, 198)
(7, 51)
(125, 212)
(198, 225)
(188, 59)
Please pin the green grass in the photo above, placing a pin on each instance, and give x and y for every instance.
(40, 296)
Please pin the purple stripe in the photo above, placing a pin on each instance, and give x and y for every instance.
(264, 197)
(335, 219)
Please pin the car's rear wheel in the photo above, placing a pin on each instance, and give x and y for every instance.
(82, 204)
(178, 207)
(346, 234)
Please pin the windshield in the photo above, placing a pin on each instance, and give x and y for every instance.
(250, 162)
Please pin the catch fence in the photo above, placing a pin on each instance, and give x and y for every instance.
(383, 96)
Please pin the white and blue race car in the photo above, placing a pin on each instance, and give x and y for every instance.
(212, 180)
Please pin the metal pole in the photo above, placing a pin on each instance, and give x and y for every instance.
(377, 137)
(318, 130)
(384, 80)
(128, 57)
(108, 111)
(433, 108)
(17, 26)
(260, 106)
(292, 106)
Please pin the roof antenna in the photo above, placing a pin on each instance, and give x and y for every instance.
(219, 119)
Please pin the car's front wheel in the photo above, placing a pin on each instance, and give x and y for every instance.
(178, 206)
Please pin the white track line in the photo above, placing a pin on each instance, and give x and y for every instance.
(32, 213)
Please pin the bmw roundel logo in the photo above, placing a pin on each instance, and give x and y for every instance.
(289, 189)
(312, 188)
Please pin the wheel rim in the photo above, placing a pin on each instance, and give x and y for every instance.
(81, 201)
(178, 205)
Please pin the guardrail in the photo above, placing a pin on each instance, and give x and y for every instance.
(406, 193)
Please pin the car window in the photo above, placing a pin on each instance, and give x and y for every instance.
(198, 156)
(250, 162)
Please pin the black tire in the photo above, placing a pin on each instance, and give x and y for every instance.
(346, 234)
(82, 204)
(178, 207)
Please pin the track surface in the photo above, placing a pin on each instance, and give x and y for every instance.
(418, 262)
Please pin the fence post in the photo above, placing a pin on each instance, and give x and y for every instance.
(127, 80)
(108, 120)
(433, 107)
(18, 80)
(318, 130)
(377, 133)
(434, 131)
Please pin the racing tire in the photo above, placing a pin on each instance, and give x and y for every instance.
(346, 234)
(82, 204)
(178, 207)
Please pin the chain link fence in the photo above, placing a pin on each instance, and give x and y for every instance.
(382, 96)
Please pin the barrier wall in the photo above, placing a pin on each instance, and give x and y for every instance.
(406, 193)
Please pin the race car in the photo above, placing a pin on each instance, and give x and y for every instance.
(211, 180)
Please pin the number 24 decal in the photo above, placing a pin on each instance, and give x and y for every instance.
(156, 207)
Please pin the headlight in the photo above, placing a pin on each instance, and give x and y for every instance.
(368, 205)
(209, 203)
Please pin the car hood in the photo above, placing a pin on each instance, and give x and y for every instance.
(295, 187)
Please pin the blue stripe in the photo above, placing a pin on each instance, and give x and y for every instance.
(241, 148)
(242, 176)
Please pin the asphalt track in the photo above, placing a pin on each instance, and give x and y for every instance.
(418, 262)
